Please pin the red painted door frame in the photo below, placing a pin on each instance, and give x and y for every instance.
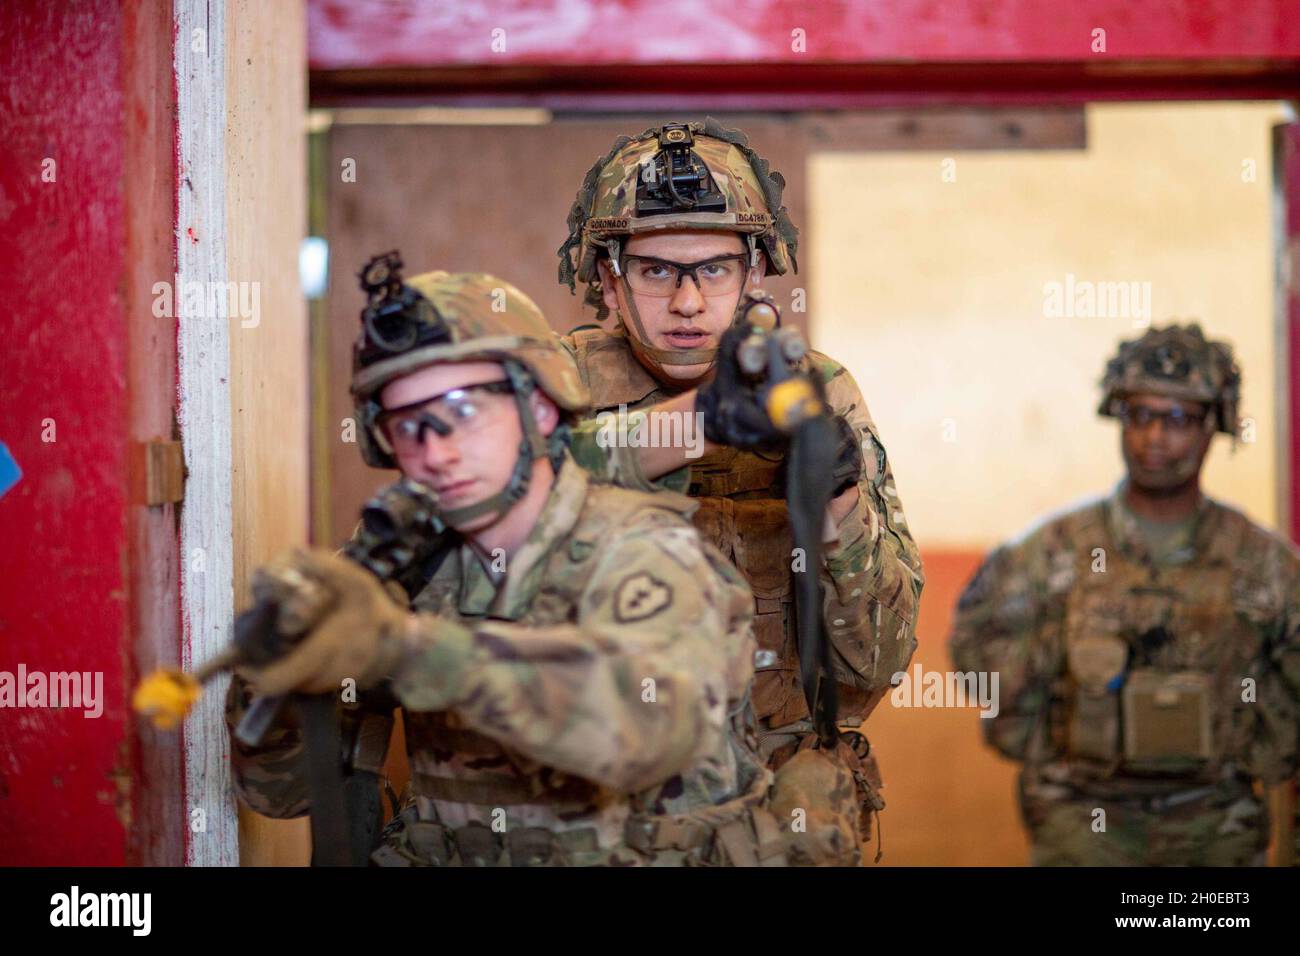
(378, 34)
(620, 55)
(88, 572)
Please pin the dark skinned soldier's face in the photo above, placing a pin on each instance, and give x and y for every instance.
(1164, 442)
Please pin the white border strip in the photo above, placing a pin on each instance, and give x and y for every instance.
(206, 558)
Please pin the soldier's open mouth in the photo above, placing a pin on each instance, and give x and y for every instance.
(687, 338)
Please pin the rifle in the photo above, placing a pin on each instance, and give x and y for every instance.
(399, 539)
(757, 349)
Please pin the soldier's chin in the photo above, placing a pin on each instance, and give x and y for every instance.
(477, 523)
(1157, 480)
(686, 373)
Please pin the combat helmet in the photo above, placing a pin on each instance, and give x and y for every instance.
(459, 317)
(1176, 361)
(676, 176)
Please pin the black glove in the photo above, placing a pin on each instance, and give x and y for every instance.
(734, 407)
(848, 457)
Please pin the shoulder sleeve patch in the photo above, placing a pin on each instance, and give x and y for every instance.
(640, 596)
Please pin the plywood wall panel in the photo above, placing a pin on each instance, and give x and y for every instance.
(266, 207)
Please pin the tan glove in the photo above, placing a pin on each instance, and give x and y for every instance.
(357, 634)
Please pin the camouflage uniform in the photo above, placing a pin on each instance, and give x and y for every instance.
(1151, 677)
(872, 574)
(585, 708)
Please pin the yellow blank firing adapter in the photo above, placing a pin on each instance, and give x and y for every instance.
(165, 698)
(791, 402)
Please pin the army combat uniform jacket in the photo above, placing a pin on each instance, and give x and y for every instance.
(581, 710)
(1153, 688)
(872, 575)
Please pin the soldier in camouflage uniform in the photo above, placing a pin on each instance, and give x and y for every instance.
(668, 230)
(1148, 643)
(573, 676)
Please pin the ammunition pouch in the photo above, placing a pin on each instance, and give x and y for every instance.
(410, 841)
(1167, 721)
(739, 832)
(1096, 664)
(1145, 722)
(825, 799)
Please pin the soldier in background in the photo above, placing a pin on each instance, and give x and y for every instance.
(573, 676)
(668, 230)
(1148, 643)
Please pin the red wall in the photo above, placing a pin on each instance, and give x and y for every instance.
(80, 86)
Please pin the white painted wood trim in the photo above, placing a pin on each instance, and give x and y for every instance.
(207, 563)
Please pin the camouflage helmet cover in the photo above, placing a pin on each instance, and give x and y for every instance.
(606, 205)
(459, 317)
(1176, 362)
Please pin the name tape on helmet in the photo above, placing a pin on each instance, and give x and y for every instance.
(608, 223)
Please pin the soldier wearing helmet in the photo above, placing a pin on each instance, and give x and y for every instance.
(572, 674)
(668, 230)
(1148, 643)
(678, 187)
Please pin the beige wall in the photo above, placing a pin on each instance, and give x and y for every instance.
(932, 293)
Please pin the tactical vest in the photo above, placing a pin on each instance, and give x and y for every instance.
(461, 779)
(1163, 665)
(742, 512)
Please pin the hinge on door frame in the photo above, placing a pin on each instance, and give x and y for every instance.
(163, 470)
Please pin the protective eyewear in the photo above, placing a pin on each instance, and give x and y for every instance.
(461, 410)
(720, 275)
(1175, 419)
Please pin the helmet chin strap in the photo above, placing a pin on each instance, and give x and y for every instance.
(653, 356)
(641, 343)
(531, 448)
(655, 359)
